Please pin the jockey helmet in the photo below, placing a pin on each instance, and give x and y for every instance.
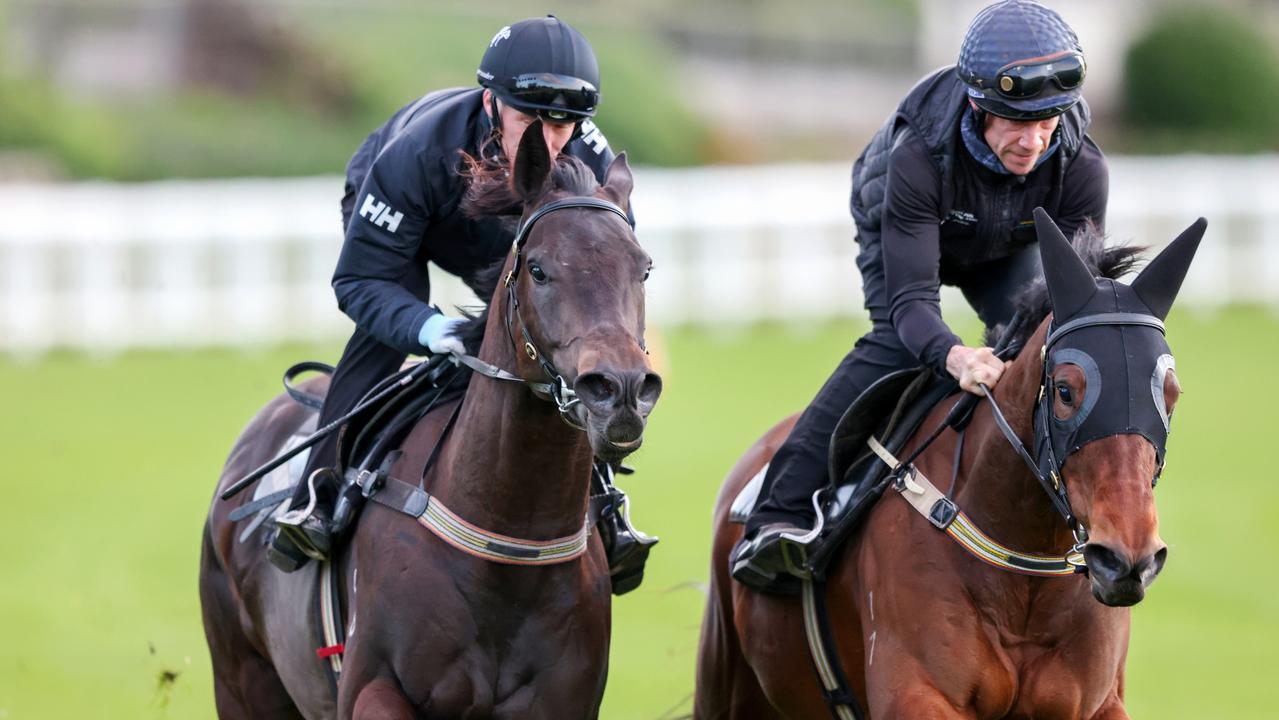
(1020, 60)
(544, 67)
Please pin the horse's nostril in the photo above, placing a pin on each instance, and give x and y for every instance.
(1105, 563)
(1148, 569)
(596, 389)
(650, 388)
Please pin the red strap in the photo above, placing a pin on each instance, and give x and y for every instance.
(330, 651)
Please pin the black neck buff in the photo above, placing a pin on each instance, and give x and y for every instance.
(1114, 334)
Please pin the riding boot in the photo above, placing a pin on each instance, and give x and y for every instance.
(625, 546)
(774, 558)
(305, 530)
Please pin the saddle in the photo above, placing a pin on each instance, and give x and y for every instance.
(891, 410)
(370, 447)
(372, 436)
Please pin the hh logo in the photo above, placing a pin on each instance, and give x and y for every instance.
(380, 214)
(592, 136)
(503, 34)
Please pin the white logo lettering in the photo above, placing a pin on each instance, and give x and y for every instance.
(380, 214)
(592, 136)
(503, 34)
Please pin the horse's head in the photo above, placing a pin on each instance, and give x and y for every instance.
(1109, 388)
(577, 287)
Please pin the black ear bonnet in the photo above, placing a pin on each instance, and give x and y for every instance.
(1114, 334)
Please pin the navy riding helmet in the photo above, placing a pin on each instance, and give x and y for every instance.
(1021, 61)
(544, 67)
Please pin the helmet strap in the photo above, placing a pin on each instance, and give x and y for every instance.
(979, 116)
(494, 115)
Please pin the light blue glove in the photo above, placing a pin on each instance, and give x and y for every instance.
(437, 334)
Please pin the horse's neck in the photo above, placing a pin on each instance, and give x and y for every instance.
(511, 464)
(997, 489)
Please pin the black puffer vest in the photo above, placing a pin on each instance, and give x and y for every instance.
(933, 110)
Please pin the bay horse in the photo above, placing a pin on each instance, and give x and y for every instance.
(924, 628)
(442, 625)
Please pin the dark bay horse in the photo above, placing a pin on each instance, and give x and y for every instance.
(436, 628)
(922, 627)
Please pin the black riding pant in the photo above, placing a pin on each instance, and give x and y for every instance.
(800, 466)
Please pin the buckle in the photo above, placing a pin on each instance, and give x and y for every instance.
(370, 481)
(943, 513)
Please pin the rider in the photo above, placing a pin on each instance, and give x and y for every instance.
(943, 194)
(401, 210)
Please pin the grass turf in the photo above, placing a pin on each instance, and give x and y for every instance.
(110, 464)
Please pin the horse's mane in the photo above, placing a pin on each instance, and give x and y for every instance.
(490, 193)
(1031, 302)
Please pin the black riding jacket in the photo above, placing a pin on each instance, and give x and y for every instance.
(927, 212)
(401, 209)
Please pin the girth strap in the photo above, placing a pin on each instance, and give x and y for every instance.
(821, 647)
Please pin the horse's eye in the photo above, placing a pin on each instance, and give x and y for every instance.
(1064, 394)
(536, 272)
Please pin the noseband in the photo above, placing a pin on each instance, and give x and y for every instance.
(557, 390)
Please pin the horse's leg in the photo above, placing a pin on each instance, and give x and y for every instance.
(381, 699)
(727, 688)
(1113, 709)
(918, 702)
(245, 684)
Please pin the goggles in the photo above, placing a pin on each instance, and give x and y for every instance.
(1025, 79)
(556, 97)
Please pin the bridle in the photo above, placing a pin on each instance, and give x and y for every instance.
(447, 525)
(940, 509)
(557, 390)
(1045, 466)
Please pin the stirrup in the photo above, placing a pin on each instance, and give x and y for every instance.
(307, 527)
(627, 548)
(284, 554)
(773, 561)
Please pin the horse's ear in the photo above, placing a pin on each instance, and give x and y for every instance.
(1157, 285)
(618, 181)
(1070, 283)
(532, 164)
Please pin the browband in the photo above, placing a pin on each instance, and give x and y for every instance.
(563, 204)
(1105, 319)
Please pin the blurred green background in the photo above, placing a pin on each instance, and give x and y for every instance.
(220, 88)
(111, 467)
(111, 459)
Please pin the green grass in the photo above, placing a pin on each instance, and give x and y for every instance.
(109, 468)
